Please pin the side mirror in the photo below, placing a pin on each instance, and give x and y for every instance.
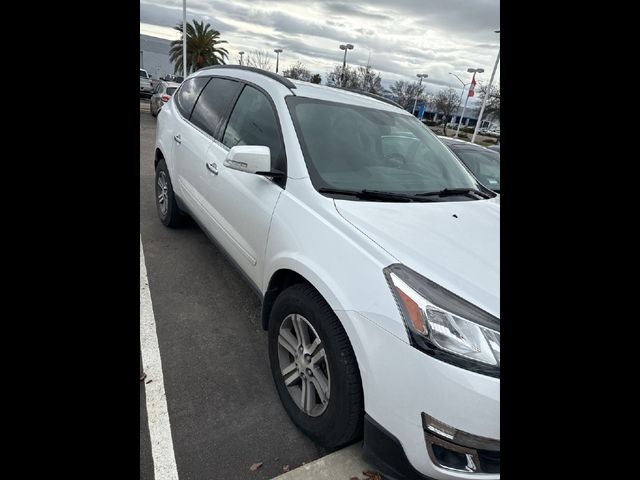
(249, 159)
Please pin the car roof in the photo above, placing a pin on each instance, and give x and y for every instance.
(281, 87)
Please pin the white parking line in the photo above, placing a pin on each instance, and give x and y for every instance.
(164, 462)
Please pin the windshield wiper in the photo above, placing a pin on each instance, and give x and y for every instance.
(375, 195)
(449, 192)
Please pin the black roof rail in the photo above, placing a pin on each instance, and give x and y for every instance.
(372, 95)
(274, 76)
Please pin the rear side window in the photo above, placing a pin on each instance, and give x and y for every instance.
(188, 94)
(254, 122)
(170, 90)
(214, 104)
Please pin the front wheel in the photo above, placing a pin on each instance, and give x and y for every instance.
(314, 367)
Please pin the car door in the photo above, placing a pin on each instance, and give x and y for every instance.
(189, 144)
(243, 203)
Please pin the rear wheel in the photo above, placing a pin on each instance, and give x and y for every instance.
(314, 367)
(168, 210)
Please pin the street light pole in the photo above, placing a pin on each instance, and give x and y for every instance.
(141, 59)
(184, 39)
(278, 52)
(421, 76)
(346, 47)
(484, 100)
(241, 53)
(474, 71)
(463, 87)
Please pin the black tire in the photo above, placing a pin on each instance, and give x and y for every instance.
(173, 217)
(342, 421)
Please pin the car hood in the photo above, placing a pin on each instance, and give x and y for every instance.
(455, 244)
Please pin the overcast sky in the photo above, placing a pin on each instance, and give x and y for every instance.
(403, 37)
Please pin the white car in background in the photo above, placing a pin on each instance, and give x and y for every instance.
(145, 83)
(375, 252)
(162, 92)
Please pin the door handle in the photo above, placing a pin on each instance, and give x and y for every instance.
(177, 138)
(212, 167)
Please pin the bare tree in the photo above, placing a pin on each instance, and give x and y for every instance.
(258, 59)
(316, 78)
(298, 71)
(405, 92)
(446, 103)
(492, 107)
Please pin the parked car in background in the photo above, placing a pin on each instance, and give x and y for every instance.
(145, 83)
(172, 78)
(483, 163)
(161, 95)
(375, 253)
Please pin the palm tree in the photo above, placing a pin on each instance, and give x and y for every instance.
(202, 49)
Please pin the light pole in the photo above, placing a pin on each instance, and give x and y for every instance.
(420, 76)
(241, 53)
(346, 47)
(278, 52)
(463, 86)
(141, 59)
(484, 100)
(184, 39)
(473, 80)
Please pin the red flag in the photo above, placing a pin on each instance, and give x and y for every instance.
(473, 85)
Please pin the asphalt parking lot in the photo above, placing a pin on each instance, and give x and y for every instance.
(224, 411)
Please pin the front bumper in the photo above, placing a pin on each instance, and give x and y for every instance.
(401, 383)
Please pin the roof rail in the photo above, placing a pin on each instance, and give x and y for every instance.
(372, 95)
(274, 76)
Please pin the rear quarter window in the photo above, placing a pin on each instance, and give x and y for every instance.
(188, 94)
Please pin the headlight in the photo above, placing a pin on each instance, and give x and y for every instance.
(445, 325)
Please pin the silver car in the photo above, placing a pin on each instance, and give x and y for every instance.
(161, 94)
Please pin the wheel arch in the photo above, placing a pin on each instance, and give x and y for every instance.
(157, 157)
(285, 276)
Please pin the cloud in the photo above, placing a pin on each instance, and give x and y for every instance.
(403, 37)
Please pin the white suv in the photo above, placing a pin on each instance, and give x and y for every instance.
(374, 250)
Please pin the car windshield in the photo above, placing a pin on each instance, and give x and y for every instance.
(357, 148)
(484, 164)
(143, 74)
(170, 90)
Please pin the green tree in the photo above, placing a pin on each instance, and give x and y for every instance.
(361, 78)
(298, 71)
(370, 80)
(202, 48)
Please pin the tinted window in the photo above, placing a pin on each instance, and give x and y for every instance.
(253, 122)
(143, 74)
(214, 104)
(484, 164)
(170, 90)
(188, 94)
